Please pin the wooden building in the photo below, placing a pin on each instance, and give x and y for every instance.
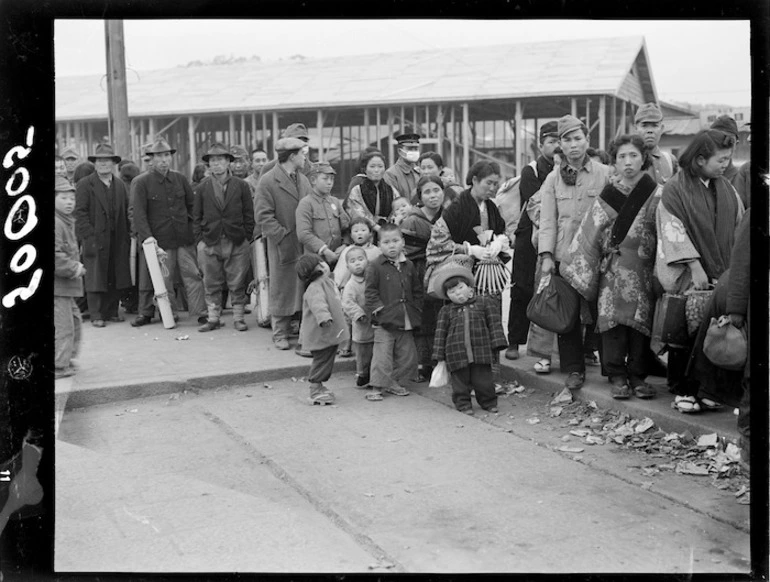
(467, 103)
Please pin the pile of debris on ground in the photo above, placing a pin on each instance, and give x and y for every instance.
(707, 455)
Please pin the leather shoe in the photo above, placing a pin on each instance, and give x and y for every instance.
(240, 325)
(575, 380)
(281, 344)
(141, 320)
(512, 353)
(202, 319)
(98, 323)
(209, 326)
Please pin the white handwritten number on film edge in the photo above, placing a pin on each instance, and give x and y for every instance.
(25, 256)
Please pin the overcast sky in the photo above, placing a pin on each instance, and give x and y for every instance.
(694, 61)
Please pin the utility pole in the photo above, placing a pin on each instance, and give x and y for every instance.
(117, 95)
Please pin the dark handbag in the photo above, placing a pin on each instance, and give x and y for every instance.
(556, 307)
(669, 326)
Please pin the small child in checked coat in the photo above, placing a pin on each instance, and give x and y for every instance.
(469, 333)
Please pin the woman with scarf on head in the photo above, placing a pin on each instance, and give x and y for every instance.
(416, 229)
(696, 223)
(373, 198)
(611, 259)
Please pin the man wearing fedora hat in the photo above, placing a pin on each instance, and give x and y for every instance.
(648, 122)
(223, 224)
(278, 194)
(162, 206)
(403, 175)
(298, 131)
(101, 223)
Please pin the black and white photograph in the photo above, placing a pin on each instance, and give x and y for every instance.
(425, 296)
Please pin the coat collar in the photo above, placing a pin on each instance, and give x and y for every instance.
(404, 166)
(285, 181)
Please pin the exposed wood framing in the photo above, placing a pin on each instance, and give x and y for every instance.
(466, 139)
(602, 122)
(573, 106)
(391, 160)
(191, 125)
(366, 125)
(623, 116)
(454, 136)
(320, 125)
(440, 129)
(519, 159)
(274, 134)
(379, 123)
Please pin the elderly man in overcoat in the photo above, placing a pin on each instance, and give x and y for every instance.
(278, 194)
(101, 223)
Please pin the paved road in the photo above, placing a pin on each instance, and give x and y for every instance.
(253, 479)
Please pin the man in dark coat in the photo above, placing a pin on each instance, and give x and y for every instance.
(162, 209)
(403, 175)
(223, 224)
(101, 223)
(524, 255)
(278, 194)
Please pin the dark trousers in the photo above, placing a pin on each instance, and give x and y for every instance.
(322, 365)
(572, 345)
(363, 352)
(744, 428)
(624, 353)
(676, 373)
(476, 377)
(518, 324)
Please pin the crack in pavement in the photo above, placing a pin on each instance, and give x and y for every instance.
(367, 543)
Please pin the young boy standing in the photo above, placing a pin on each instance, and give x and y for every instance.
(354, 306)
(469, 333)
(68, 280)
(394, 305)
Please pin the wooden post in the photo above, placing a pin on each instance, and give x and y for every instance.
(452, 152)
(264, 133)
(377, 133)
(588, 112)
(440, 130)
(402, 121)
(623, 114)
(274, 134)
(390, 136)
(342, 156)
(151, 130)
(427, 121)
(573, 110)
(253, 140)
(231, 131)
(517, 139)
(133, 140)
(320, 125)
(242, 141)
(602, 120)
(614, 117)
(118, 125)
(191, 140)
(414, 122)
(466, 140)
(366, 124)
(90, 143)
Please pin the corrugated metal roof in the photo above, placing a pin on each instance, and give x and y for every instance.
(682, 126)
(576, 67)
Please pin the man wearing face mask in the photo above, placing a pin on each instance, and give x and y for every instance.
(403, 175)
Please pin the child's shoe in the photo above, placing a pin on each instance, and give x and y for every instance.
(320, 394)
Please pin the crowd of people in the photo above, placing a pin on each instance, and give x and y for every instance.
(407, 271)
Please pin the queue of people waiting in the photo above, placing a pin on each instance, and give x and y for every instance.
(407, 272)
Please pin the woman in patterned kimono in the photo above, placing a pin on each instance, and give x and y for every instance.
(696, 222)
(612, 256)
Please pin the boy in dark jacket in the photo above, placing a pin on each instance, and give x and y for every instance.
(394, 304)
(68, 280)
(469, 333)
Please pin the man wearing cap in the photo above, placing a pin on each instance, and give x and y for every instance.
(524, 255)
(278, 194)
(649, 125)
(162, 201)
(240, 166)
(567, 194)
(728, 125)
(403, 175)
(223, 224)
(742, 181)
(321, 220)
(59, 168)
(101, 223)
(295, 130)
(70, 157)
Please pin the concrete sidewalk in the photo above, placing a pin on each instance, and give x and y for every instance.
(120, 362)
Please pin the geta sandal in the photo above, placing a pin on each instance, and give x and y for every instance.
(543, 366)
(686, 404)
(374, 396)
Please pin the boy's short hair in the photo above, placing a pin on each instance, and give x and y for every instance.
(453, 282)
(390, 227)
(360, 220)
(306, 268)
(352, 250)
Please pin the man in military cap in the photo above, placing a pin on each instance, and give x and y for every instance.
(524, 254)
(278, 194)
(403, 175)
(162, 205)
(71, 159)
(298, 131)
(321, 220)
(240, 166)
(101, 223)
(728, 125)
(649, 125)
(223, 224)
